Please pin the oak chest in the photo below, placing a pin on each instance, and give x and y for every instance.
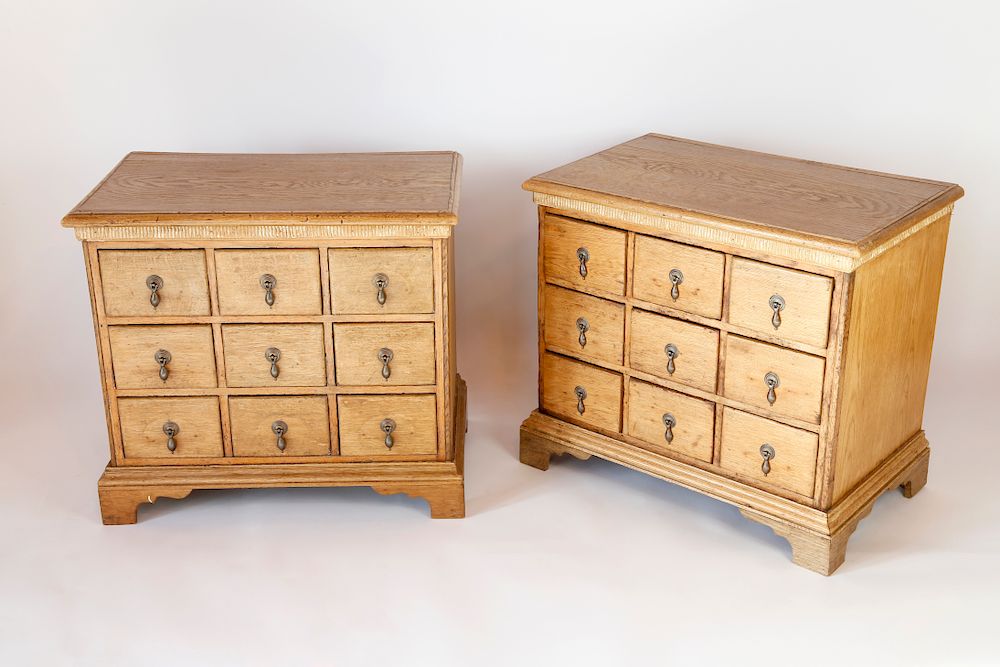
(753, 327)
(276, 320)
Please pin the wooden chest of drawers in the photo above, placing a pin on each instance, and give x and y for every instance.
(752, 327)
(276, 320)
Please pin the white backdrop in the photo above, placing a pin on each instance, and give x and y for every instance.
(518, 88)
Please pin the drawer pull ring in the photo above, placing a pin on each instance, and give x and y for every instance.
(583, 255)
(676, 278)
(155, 284)
(669, 422)
(385, 356)
(672, 353)
(268, 282)
(273, 354)
(777, 304)
(773, 382)
(583, 326)
(581, 395)
(170, 429)
(388, 426)
(767, 452)
(380, 281)
(163, 358)
(280, 428)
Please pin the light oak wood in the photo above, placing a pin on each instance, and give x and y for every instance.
(794, 464)
(297, 290)
(605, 268)
(604, 337)
(410, 274)
(358, 346)
(142, 421)
(185, 282)
(697, 347)
(192, 356)
(602, 406)
(800, 392)
(302, 362)
(360, 418)
(693, 431)
(701, 289)
(307, 419)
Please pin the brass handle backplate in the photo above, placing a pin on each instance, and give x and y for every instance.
(767, 453)
(268, 282)
(380, 281)
(672, 353)
(273, 354)
(170, 429)
(279, 428)
(163, 357)
(583, 255)
(388, 426)
(385, 356)
(777, 303)
(772, 381)
(669, 422)
(581, 396)
(676, 278)
(155, 284)
(583, 326)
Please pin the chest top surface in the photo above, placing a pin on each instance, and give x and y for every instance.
(309, 187)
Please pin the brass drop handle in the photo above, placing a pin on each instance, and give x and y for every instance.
(669, 422)
(388, 426)
(163, 357)
(581, 396)
(380, 281)
(676, 278)
(170, 429)
(777, 304)
(155, 284)
(672, 353)
(279, 428)
(773, 382)
(385, 356)
(583, 255)
(268, 282)
(273, 354)
(767, 452)
(583, 326)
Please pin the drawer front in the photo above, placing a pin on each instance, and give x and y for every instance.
(601, 401)
(250, 362)
(384, 354)
(178, 278)
(146, 421)
(302, 422)
(668, 420)
(268, 282)
(588, 257)
(664, 270)
(584, 324)
(793, 464)
(382, 280)
(151, 357)
(693, 350)
(799, 389)
(803, 300)
(363, 426)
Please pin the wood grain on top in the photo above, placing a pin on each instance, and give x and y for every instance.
(311, 187)
(656, 173)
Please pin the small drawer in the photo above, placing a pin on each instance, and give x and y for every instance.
(280, 425)
(398, 425)
(678, 276)
(790, 304)
(151, 357)
(154, 282)
(769, 453)
(668, 420)
(785, 382)
(384, 354)
(268, 282)
(584, 324)
(274, 355)
(588, 257)
(367, 281)
(674, 350)
(170, 427)
(582, 392)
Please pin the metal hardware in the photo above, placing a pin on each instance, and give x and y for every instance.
(279, 428)
(162, 357)
(388, 426)
(268, 282)
(385, 356)
(676, 278)
(766, 451)
(273, 354)
(581, 395)
(777, 304)
(583, 255)
(583, 326)
(672, 353)
(155, 284)
(669, 422)
(773, 382)
(170, 429)
(380, 281)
